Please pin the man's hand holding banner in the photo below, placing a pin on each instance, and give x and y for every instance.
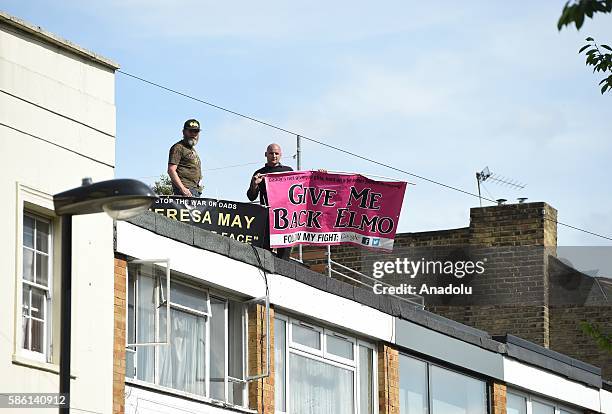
(311, 207)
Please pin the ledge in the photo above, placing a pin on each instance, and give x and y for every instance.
(40, 33)
(42, 366)
(131, 382)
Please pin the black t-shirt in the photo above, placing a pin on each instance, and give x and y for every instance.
(261, 187)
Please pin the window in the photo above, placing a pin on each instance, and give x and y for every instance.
(36, 278)
(521, 403)
(204, 352)
(516, 404)
(318, 370)
(426, 388)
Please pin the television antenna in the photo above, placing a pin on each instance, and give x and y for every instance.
(486, 174)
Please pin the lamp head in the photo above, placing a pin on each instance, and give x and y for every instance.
(120, 198)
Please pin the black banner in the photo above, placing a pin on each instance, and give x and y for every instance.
(240, 221)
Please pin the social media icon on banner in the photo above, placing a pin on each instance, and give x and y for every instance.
(376, 242)
(365, 241)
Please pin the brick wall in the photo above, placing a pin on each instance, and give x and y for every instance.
(388, 379)
(528, 322)
(567, 335)
(261, 392)
(119, 336)
(525, 291)
(498, 398)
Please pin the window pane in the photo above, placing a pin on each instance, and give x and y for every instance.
(413, 385)
(37, 307)
(280, 342)
(130, 357)
(235, 391)
(217, 350)
(131, 315)
(305, 336)
(454, 393)
(516, 404)
(340, 347)
(25, 300)
(182, 363)
(28, 265)
(540, 408)
(25, 326)
(319, 388)
(129, 362)
(366, 397)
(146, 311)
(235, 354)
(42, 269)
(38, 335)
(42, 236)
(235, 327)
(186, 296)
(145, 328)
(28, 231)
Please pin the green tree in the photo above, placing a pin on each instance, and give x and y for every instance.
(597, 56)
(163, 186)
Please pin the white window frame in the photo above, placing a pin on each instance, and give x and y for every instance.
(46, 345)
(208, 315)
(228, 378)
(338, 358)
(156, 342)
(529, 398)
(429, 364)
(374, 373)
(322, 355)
(189, 310)
(303, 347)
(39, 205)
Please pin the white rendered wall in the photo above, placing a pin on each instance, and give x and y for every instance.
(538, 381)
(606, 401)
(33, 171)
(142, 401)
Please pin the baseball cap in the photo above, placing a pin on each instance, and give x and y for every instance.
(192, 124)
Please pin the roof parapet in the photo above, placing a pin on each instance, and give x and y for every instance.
(40, 33)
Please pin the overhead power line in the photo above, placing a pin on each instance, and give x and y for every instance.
(296, 133)
(278, 128)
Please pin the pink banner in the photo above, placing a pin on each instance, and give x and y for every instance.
(311, 207)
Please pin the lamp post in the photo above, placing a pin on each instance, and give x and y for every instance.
(121, 199)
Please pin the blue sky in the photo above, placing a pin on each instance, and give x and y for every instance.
(439, 89)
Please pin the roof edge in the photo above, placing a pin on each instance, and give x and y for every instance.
(49, 37)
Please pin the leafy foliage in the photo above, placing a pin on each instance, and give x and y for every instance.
(601, 62)
(163, 186)
(575, 11)
(603, 340)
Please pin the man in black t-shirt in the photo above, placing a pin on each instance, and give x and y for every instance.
(258, 186)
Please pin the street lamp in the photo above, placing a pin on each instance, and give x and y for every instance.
(121, 199)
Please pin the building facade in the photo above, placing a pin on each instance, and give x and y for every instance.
(333, 347)
(57, 125)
